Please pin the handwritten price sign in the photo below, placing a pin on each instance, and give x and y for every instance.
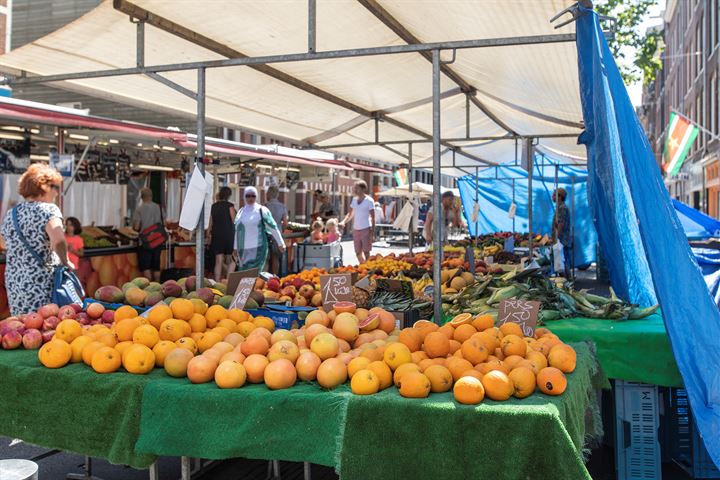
(242, 293)
(522, 312)
(335, 288)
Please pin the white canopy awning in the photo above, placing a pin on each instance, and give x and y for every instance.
(530, 90)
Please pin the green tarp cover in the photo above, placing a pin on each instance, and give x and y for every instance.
(631, 350)
(129, 419)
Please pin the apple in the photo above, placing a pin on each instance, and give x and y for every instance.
(12, 326)
(95, 310)
(66, 312)
(11, 340)
(48, 335)
(77, 307)
(33, 321)
(49, 310)
(32, 339)
(108, 316)
(83, 318)
(51, 323)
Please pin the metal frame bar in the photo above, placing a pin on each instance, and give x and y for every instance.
(437, 205)
(312, 22)
(200, 162)
(455, 139)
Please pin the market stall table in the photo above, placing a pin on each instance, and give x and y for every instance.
(130, 419)
(631, 350)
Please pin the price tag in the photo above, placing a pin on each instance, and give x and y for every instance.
(364, 283)
(235, 277)
(335, 288)
(242, 293)
(522, 312)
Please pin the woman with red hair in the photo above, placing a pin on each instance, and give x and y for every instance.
(34, 225)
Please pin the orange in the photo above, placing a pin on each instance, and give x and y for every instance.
(419, 356)
(483, 322)
(138, 359)
(77, 346)
(161, 349)
(197, 323)
(510, 328)
(513, 345)
(222, 331)
(488, 339)
(230, 374)
(159, 314)
(474, 351)
(365, 382)
(230, 325)
(537, 359)
(448, 330)
(89, 350)
(472, 373)
(551, 381)
(457, 366)
(108, 339)
(55, 354)
(214, 314)
(105, 360)
(441, 380)
(182, 309)
(403, 370)
(523, 380)
(124, 312)
(437, 344)
(357, 364)
(539, 332)
(562, 357)
(173, 329)
(383, 373)
(491, 365)
(469, 391)
(455, 348)
(253, 345)
(512, 360)
(237, 315)
(373, 354)
(425, 327)
(124, 328)
(264, 322)
(209, 340)
(199, 306)
(244, 328)
(424, 364)
(411, 338)
(68, 330)
(396, 355)
(147, 335)
(187, 343)
(462, 319)
(497, 385)
(414, 385)
(464, 332)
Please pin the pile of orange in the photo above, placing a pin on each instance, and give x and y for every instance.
(312, 275)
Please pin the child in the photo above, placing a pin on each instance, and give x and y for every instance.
(332, 235)
(317, 231)
(74, 240)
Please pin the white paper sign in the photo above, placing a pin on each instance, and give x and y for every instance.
(511, 212)
(209, 181)
(195, 199)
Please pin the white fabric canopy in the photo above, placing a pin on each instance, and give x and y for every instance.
(532, 88)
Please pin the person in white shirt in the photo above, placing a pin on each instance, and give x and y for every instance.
(362, 208)
(379, 217)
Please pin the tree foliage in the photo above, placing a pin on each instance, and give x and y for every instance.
(647, 46)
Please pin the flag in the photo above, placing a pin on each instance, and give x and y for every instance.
(680, 136)
(401, 176)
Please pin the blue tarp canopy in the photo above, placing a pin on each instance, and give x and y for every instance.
(497, 188)
(641, 236)
(695, 223)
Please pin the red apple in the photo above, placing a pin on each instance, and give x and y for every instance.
(108, 316)
(95, 310)
(49, 310)
(77, 307)
(33, 320)
(12, 326)
(51, 323)
(83, 318)
(11, 340)
(32, 339)
(48, 335)
(66, 312)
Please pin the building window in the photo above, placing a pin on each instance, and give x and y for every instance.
(700, 119)
(714, 27)
(713, 103)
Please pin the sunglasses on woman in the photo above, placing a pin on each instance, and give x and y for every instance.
(249, 196)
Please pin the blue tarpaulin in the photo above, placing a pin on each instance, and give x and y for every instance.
(641, 236)
(498, 187)
(695, 223)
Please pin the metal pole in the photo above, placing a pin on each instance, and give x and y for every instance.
(140, 45)
(572, 227)
(437, 206)
(200, 162)
(477, 198)
(531, 169)
(312, 15)
(513, 201)
(410, 189)
(467, 115)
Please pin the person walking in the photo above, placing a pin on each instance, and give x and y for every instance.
(31, 229)
(451, 217)
(253, 225)
(220, 233)
(280, 215)
(561, 228)
(362, 209)
(147, 215)
(76, 245)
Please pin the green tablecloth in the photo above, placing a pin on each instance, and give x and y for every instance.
(129, 419)
(633, 350)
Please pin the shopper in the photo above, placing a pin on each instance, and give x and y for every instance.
(561, 228)
(280, 215)
(29, 284)
(253, 225)
(73, 229)
(362, 209)
(148, 215)
(325, 210)
(221, 237)
(451, 217)
(379, 215)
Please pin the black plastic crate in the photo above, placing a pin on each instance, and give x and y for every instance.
(685, 446)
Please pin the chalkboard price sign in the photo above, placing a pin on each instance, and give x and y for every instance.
(522, 312)
(335, 288)
(242, 293)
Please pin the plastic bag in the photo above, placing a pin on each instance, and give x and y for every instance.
(558, 257)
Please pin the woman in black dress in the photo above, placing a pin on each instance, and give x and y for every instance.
(222, 233)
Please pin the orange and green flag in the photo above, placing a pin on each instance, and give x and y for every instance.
(401, 176)
(681, 133)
